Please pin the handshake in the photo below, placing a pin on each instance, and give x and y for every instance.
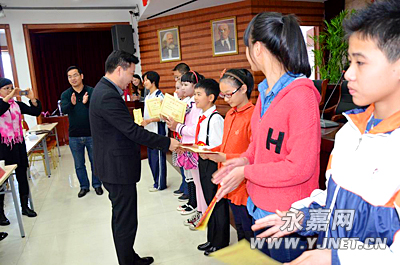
(174, 144)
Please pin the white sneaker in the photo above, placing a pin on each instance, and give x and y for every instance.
(152, 189)
(192, 219)
(182, 207)
(193, 225)
(189, 210)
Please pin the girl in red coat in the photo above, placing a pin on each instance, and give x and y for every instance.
(281, 164)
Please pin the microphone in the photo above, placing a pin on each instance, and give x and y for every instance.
(329, 123)
(57, 109)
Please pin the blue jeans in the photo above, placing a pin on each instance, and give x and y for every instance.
(77, 146)
(158, 165)
(243, 221)
(281, 253)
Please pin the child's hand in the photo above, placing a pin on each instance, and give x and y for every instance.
(174, 144)
(180, 151)
(230, 181)
(171, 123)
(203, 156)
(145, 122)
(218, 158)
(274, 223)
(228, 166)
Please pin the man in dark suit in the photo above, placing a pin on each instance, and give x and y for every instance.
(225, 43)
(116, 149)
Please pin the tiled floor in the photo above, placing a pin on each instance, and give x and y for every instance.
(74, 231)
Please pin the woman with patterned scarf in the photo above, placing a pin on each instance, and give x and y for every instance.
(12, 144)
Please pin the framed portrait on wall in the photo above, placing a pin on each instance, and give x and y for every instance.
(169, 45)
(224, 36)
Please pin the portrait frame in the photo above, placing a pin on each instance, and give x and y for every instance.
(219, 48)
(169, 55)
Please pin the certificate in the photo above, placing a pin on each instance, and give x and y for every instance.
(197, 149)
(154, 107)
(137, 114)
(174, 108)
(241, 253)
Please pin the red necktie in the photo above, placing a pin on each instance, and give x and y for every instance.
(126, 94)
(196, 138)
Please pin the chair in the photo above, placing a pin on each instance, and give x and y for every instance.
(345, 103)
(321, 86)
(51, 145)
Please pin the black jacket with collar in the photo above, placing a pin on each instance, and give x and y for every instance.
(116, 138)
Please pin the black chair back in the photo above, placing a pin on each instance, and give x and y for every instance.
(346, 100)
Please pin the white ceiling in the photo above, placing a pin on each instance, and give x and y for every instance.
(68, 3)
(157, 6)
(153, 6)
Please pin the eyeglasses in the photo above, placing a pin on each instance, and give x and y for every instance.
(73, 76)
(230, 94)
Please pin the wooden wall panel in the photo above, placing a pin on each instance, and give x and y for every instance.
(196, 40)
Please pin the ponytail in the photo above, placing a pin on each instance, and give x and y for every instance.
(283, 38)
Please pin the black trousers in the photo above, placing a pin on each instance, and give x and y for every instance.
(218, 225)
(23, 186)
(124, 221)
(22, 178)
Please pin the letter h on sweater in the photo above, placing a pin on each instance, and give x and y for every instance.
(277, 142)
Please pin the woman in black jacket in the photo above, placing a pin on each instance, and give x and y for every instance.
(12, 143)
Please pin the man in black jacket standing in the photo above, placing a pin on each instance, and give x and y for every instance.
(75, 102)
(116, 140)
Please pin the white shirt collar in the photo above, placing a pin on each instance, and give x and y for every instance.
(208, 112)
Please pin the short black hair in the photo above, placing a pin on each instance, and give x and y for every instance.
(210, 86)
(153, 77)
(181, 68)
(72, 67)
(192, 77)
(120, 58)
(380, 21)
(282, 36)
(240, 77)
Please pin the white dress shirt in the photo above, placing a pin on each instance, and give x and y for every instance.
(216, 130)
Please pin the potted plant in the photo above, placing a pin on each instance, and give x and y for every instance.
(331, 54)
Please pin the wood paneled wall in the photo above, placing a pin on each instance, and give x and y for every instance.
(196, 40)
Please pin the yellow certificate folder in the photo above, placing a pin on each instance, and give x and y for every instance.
(137, 114)
(154, 107)
(202, 225)
(174, 108)
(241, 253)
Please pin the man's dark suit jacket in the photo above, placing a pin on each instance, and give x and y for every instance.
(221, 48)
(116, 138)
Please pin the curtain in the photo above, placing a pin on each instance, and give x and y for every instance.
(53, 53)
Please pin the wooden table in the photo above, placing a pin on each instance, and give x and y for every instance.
(39, 143)
(52, 128)
(10, 178)
(32, 145)
(62, 127)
